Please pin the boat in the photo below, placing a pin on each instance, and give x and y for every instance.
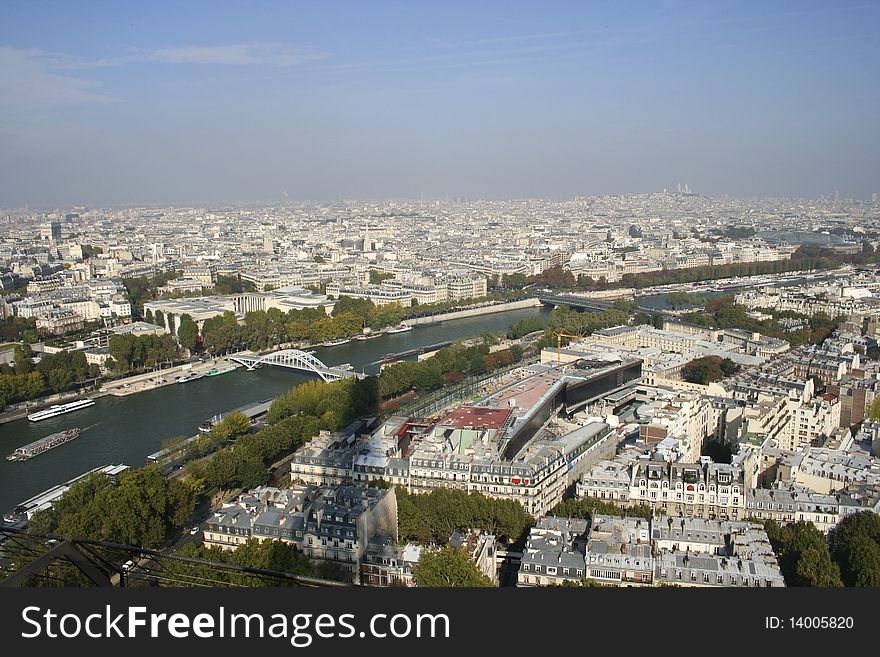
(187, 379)
(60, 409)
(400, 328)
(335, 343)
(368, 336)
(208, 425)
(348, 367)
(216, 372)
(43, 445)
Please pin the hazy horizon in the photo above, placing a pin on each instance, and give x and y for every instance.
(210, 104)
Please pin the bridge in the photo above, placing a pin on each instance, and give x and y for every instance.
(597, 305)
(295, 359)
(575, 302)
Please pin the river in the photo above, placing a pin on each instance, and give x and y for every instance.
(127, 429)
(659, 302)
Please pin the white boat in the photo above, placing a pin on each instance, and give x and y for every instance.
(400, 328)
(60, 409)
(187, 379)
(335, 343)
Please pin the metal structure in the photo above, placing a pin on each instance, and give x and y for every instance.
(575, 302)
(296, 360)
(28, 559)
(559, 335)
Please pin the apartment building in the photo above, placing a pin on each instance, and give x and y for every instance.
(326, 523)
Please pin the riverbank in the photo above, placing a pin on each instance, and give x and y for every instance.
(152, 380)
(475, 312)
(127, 429)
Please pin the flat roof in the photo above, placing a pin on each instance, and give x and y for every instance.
(477, 416)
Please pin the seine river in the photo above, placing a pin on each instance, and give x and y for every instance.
(127, 429)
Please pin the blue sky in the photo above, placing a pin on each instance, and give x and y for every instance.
(189, 102)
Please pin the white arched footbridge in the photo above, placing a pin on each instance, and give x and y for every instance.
(296, 360)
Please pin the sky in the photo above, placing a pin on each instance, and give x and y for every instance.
(128, 103)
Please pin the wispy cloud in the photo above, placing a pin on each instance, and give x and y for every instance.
(511, 39)
(241, 54)
(236, 54)
(33, 79)
(27, 83)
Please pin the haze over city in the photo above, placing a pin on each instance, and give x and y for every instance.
(163, 103)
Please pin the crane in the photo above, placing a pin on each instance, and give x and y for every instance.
(559, 335)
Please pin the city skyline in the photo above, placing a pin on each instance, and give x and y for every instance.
(167, 105)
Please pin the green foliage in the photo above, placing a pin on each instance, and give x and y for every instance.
(567, 320)
(526, 326)
(232, 285)
(54, 373)
(803, 554)
(143, 288)
(345, 400)
(188, 333)
(856, 542)
(13, 329)
(144, 509)
(243, 464)
(678, 300)
(554, 277)
(874, 411)
(137, 351)
(446, 366)
(266, 555)
(514, 281)
(707, 369)
(587, 506)
(435, 516)
(376, 277)
(88, 251)
(449, 568)
(701, 318)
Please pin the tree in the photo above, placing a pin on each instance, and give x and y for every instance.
(376, 277)
(803, 554)
(707, 369)
(856, 542)
(874, 412)
(188, 333)
(159, 319)
(448, 567)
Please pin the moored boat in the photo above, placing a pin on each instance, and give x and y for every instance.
(60, 409)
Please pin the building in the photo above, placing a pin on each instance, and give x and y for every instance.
(619, 551)
(388, 564)
(51, 231)
(697, 552)
(554, 552)
(380, 295)
(333, 524)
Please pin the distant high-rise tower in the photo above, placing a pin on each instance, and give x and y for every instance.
(268, 241)
(51, 231)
